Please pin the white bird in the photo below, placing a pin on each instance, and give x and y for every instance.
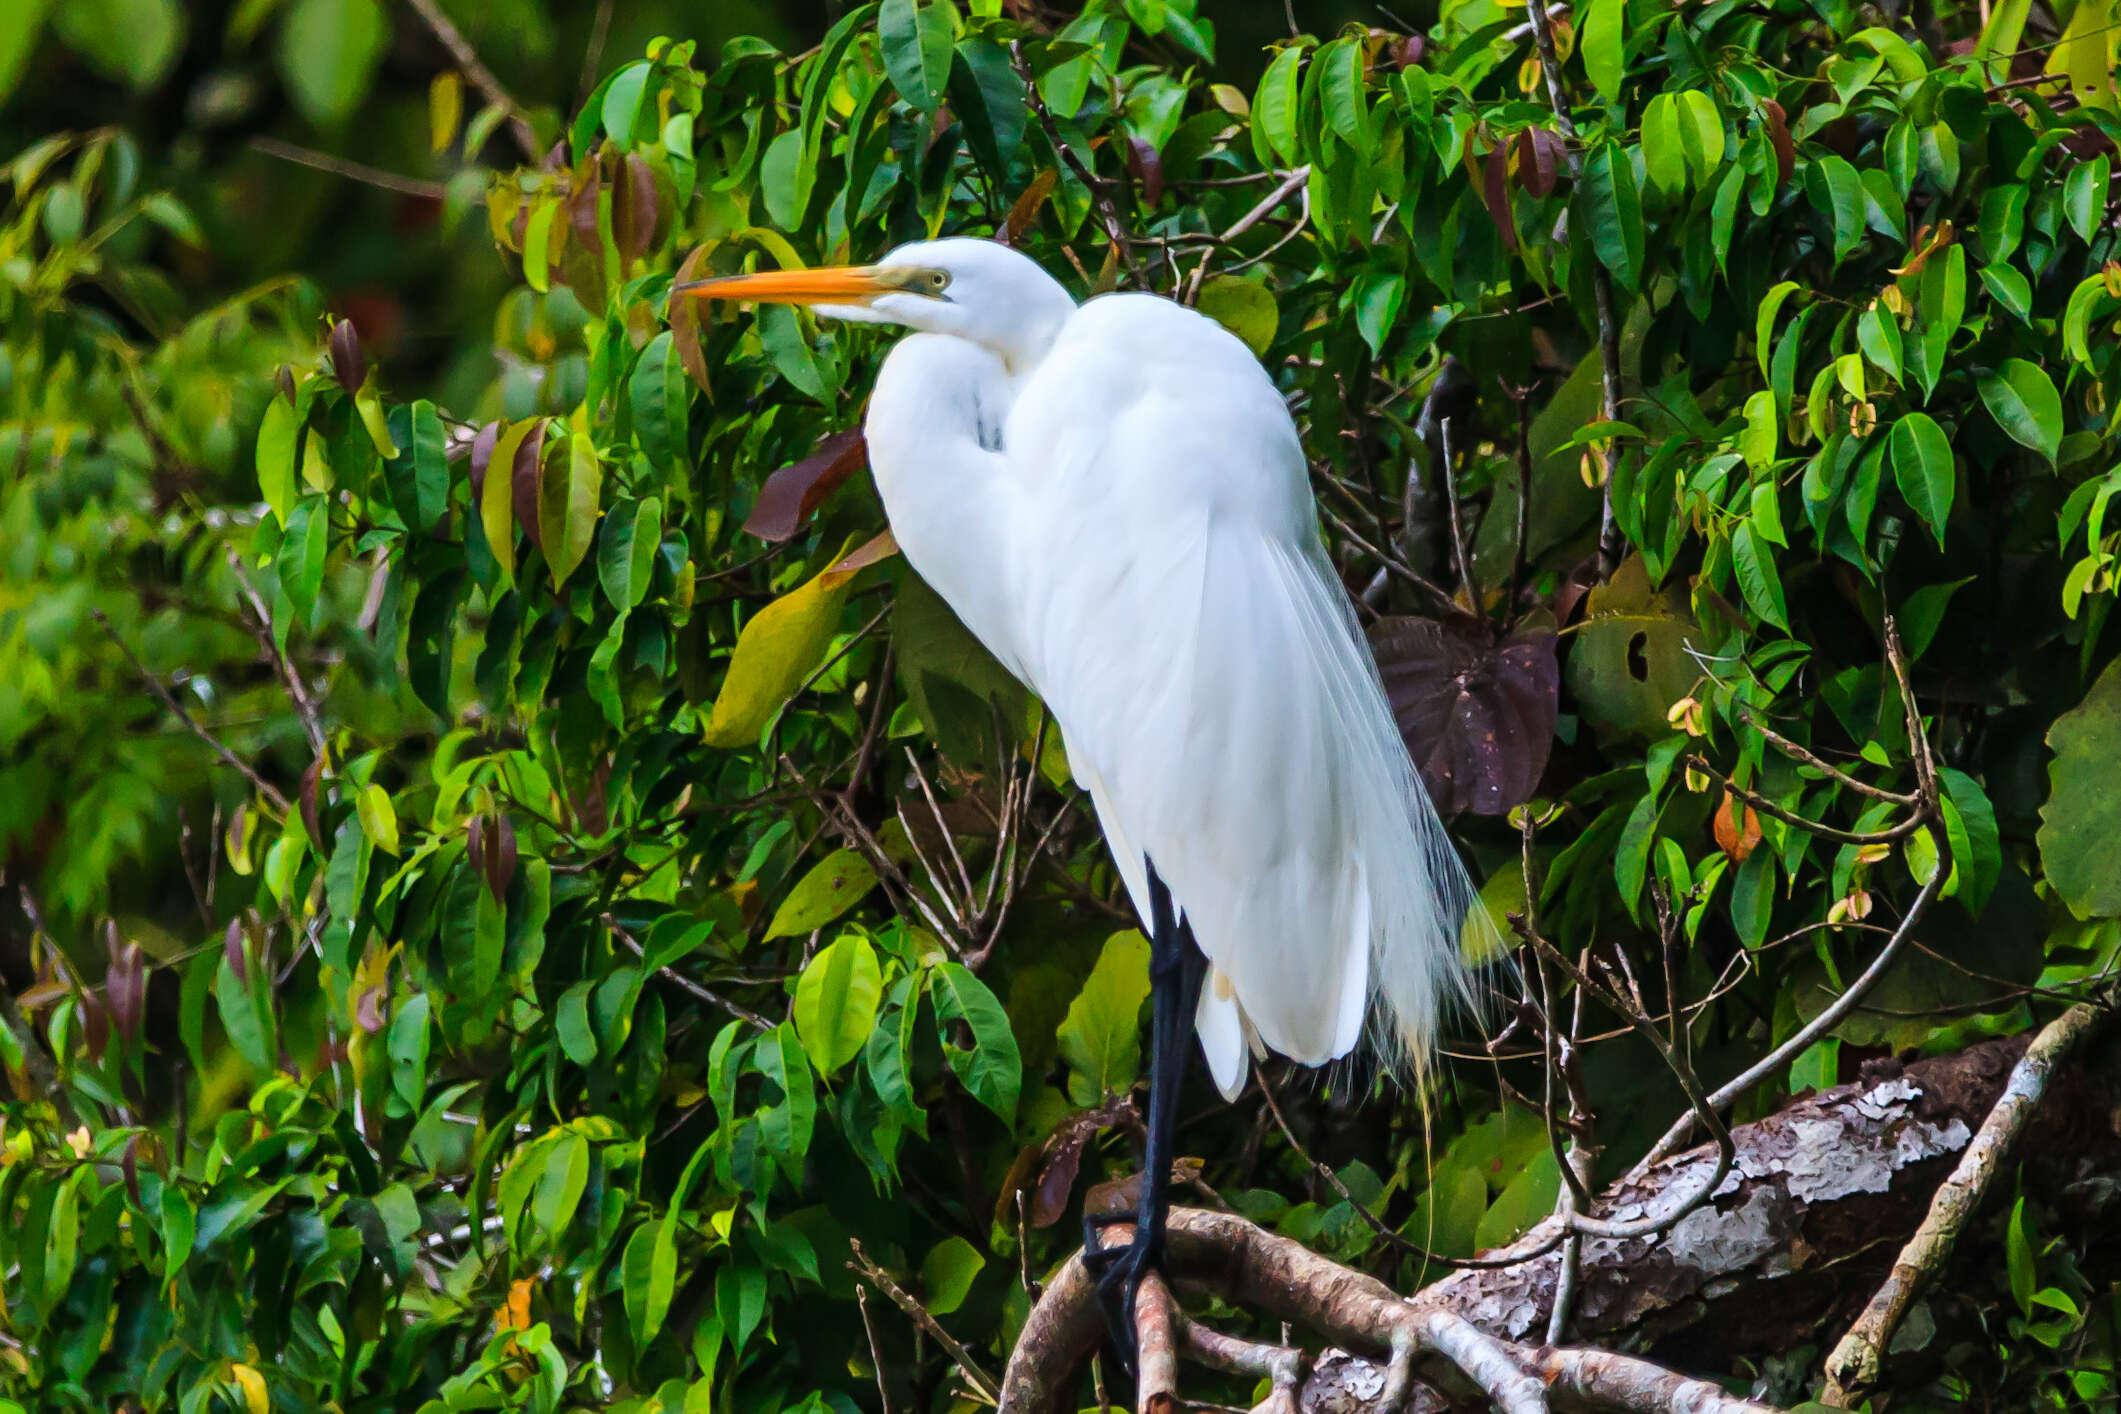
(1114, 499)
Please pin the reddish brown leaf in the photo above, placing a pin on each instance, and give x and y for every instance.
(635, 207)
(793, 492)
(582, 204)
(1495, 190)
(1410, 50)
(1778, 128)
(1733, 840)
(284, 376)
(368, 1010)
(1024, 210)
(348, 364)
(593, 811)
(1478, 717)
(95, 1025)
(1539, 155)
(492, 851)
(125, 985)
(129, 1165)
(685, 314)
(1147, 166)
(525, 475)
(233, 952)
(308, 801)
(1056, 1181)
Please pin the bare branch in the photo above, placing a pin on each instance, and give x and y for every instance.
(919, 1314)
(154, 684)
(1855, 1365)
(480, 77)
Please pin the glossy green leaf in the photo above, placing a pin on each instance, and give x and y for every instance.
(1922, 468)
(1100, 1038)
(837, 994)
(2022, 399)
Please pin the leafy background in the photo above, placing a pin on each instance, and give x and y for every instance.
(511, 879)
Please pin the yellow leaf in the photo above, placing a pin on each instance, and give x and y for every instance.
(370, 407)
(253, 1386)
(445, 107)
(2085, 54)
(515, 1316)
(782, 645)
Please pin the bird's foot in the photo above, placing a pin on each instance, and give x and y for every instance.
(1119, 1271)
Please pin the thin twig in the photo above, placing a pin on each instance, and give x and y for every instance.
(154, 684)
(1100, 189)
(261, 629)
(352, 171)
(876, 1355)
(983, 1382)
(481, 77)
(684, 983)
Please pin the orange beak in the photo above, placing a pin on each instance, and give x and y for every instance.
(844, 284)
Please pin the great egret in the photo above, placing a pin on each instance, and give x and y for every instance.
(1114, 499)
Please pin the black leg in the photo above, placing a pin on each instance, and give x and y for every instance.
(1176, 970)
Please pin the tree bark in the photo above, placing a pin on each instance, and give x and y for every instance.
(1795, 1240)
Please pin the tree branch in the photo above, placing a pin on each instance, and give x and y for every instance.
(1854, 1366)
(481, 77)
(154, 685)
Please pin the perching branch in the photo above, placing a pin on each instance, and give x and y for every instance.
(922, 1317)
(1855, 1365)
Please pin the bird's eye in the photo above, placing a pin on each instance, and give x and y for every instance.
(938, 279)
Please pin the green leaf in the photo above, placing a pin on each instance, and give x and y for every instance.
(423, 510)
(1611, 211)
(1761, 437)
(379, 819)
(1245, 307)
(1663, 153)
(992, 1070)
(21, 22)
(2084, 193)
(329, 50)
(1837, 192)
(917, 44)
(626, 550)
(1526, 1199)
(278, 434)
(661, 398)
(2018, 1257)
(1100, 1038)
(836, 997)
(302, 553)
(2082, 816)
(1757, 576)
(1922, 612)
(1604, 52)
(947, 1273)
(578, 1037)
(1764, 321)
(1922, 466)
(839, 882)
(786, 1127)
(1700, 134)
(131, 41)
(569, 496)
(1977, 848)
(623, 94)
(408, 1052)
(649, 1275)
(1377, 297)
(561, 1183)
(1274, 109)
(1340, 92)
(2022, 399)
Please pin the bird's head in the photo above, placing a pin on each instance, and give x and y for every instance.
(973, 289)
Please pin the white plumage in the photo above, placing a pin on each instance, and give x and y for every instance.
(1115, 501)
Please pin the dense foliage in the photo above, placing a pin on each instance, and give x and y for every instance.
(514, 885)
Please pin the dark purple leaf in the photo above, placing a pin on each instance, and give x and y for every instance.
(1056, 1181)
(95, 1025)
(125, 985)
(1778, 128)
(793, 492)
(1539, 154)
(1478, 717)
(499, 864)
(348, 364)
(1410, 50)
(1147, 166)
(635, 208)
(475, 844)
(284, 376)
